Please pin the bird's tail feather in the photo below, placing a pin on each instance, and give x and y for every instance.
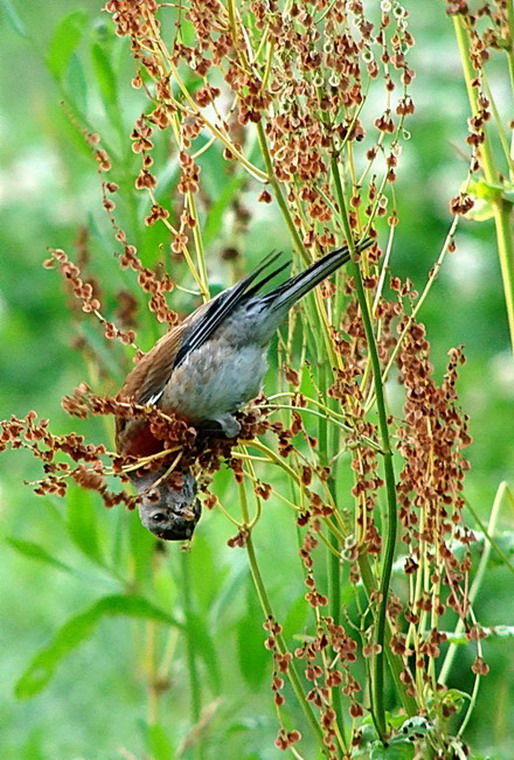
(284, 296)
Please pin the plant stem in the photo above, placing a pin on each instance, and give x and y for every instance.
(502, 208)
(510, 49)
(268, 612)
(390, 524)
(275, 184)
(477, 581)
(505, 238)
(327, 448)
(394, 661)
(194, 680)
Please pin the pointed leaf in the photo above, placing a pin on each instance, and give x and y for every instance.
(104, 74)
(34, 551)
(207, 577)
(65, 40)
(77, 84)
(83, 523)
(78, 628)
(44, 664)
(252, 656)
(199, 632)
(159, 744)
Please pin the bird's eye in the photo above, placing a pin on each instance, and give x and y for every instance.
(159, 517)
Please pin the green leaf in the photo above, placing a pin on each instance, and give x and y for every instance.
(104, 74)
(204, 643)
(69, 132)
(207, 577)
(136, 606)
(34, 551)
(396, 750)
(486, 197)
(252, 655)
(43, 665)
(229, 592)
(216, 213)
(78, 628)
(485, 190)
(83, 523)
(158, 743)
(481, 211)
(141, 548)
(65, 40)
(77, 84)
(296, 617)
(13, 19)
(505, 544)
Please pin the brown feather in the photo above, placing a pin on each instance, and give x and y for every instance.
(148, 377)
(154, 369)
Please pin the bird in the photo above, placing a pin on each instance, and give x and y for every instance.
(205, 369)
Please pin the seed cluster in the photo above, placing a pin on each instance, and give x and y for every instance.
(300, 75)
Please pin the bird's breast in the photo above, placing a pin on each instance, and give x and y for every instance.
(216, 378)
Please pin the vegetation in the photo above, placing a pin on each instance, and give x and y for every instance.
(346, 591)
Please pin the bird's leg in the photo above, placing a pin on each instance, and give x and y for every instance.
(230, 426)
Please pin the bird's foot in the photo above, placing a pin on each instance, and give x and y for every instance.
(230, 426)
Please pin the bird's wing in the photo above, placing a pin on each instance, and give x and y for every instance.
(143, 385)
(151, 374)
(146, 383)
(217, 310)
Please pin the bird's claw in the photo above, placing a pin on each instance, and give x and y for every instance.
(230, 426)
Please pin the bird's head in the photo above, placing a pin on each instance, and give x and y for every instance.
(168, 513)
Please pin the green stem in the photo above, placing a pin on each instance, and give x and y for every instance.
(390, 524)
(200, 252)
(479, 576)
(510, 49)
(394, 662)
(502, 208)
(487, 535)
(327, 447)
(505, 238)
(194, 680)
(268, 612)
(275, 184)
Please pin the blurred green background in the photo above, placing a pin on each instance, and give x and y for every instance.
(97, 706)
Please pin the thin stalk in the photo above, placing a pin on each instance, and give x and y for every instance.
(268, 612)
(434, 272)
(510, 49)
(200, 252)
(327, 446)
(390, 526)
(274, 458)
(477, 581)
(502, 135)
(502, 209)
(505, 239)
(259, 175)
(393, 660)
(194, 678)
(487, 535)
(275, 184)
